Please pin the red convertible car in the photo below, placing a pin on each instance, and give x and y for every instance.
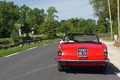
(81, 50)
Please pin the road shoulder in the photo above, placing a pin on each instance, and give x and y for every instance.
(113, 53)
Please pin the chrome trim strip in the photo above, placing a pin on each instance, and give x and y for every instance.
(62, 60)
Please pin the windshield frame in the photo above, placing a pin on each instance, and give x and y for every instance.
(81, 36)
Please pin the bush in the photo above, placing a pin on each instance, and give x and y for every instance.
(5, 41)
(102, 29)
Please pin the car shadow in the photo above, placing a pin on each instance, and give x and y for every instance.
(111, 69)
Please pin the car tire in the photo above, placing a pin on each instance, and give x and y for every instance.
(60, 68)
(103, 68)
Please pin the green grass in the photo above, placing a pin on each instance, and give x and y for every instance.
(5, 52)
(107, 39)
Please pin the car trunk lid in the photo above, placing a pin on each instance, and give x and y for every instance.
(82, 50)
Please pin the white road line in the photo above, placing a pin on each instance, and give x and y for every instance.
(18, 52)
(45, 44)
(118, 74)
(32, 48)
(12, 54)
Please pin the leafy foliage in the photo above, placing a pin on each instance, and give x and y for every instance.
(41, 22)
(9, 14)
(101, 11)
(78, 26)
(35, 18)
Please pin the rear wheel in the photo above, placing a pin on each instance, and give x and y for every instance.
(103, 68)
(60, 67)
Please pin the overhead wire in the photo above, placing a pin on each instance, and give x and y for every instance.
(73, 8)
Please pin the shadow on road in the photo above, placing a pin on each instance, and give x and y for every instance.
(111, 69)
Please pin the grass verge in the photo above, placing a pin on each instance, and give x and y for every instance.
(116, 44)
(5, 52)
(108, 39)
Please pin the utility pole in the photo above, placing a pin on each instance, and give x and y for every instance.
(118, 21)
(110, 19)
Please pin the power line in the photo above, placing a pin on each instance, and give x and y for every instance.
(73, 8)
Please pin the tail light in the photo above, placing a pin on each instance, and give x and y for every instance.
(59, 51)
(105, 52)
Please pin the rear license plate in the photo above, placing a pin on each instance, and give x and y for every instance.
(82, 52)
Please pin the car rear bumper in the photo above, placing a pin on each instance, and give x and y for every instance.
(63, 60)
(82, 62)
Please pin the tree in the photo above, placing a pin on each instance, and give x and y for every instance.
(50, 26)
(35, 18)
(23, 13)
(102, 29)
(51, 13)
(25, 26)
(101, 10)
(103, 23)
(64, 28)
(9, 14)
(91, 26)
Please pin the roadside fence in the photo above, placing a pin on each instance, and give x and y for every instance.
(27, 42)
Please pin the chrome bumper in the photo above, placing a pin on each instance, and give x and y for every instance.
(63, 60)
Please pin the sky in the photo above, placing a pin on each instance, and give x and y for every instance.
(66, 8)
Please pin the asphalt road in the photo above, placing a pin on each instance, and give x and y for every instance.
(39, 64)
